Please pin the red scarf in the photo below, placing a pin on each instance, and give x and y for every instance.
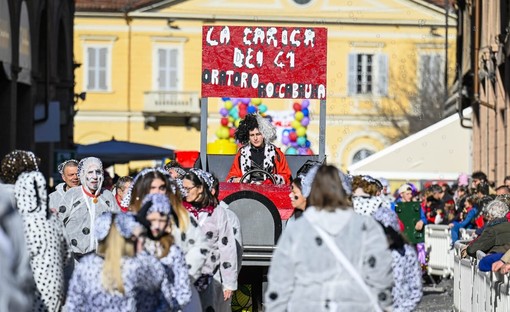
(189, 207)
(94, 197)
(122, 208)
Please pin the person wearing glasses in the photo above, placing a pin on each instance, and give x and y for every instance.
(256, 134)
(219, 274)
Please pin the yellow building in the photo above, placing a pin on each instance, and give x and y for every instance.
(141, 68)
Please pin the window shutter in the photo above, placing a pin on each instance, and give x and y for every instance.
(91, 73)
(102, 68)
(161, 69)
(382, 74)
(173, 68)
(352, 79)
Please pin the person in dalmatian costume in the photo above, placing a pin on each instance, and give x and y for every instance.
(155, 216)
(82, 205)
(45, 240)
(256, 134)
(69, 172)
(219, 274)
(119, 277)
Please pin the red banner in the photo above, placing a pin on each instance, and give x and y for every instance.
(264, 62)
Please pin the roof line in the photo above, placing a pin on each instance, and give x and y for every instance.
(409, 139)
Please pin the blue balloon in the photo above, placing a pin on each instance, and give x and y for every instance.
(225, 99)
(308, 143)
(286, 132)
(291, 151)
(252, 109)
(305, 112)
(301, 141)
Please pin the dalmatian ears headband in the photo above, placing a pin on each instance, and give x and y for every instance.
(204, 176)
(174, 184)
(307, 180)
(159, 203)
(387, 217)
(125, 223)
(62, 166)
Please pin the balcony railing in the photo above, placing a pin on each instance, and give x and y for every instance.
(172, 102)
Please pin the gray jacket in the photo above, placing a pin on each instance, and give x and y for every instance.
(306, 276)
(16, 279)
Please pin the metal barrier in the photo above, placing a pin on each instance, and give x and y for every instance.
(438, 243)
(474, 290)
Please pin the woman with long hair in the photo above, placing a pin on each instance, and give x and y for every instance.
(219, 277)
(117, 278)
(155, 217)
(331, 258)
(185, 232)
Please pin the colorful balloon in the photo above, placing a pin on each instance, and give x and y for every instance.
(228, 105)
(252, 109)
(305, 112)
(299, 116)
(262, 108)
(301, 131)
(296, 107)
(293, 136)
(246, 100)
(224, 121)
(225, 99)
(305, 121)
(256, 101)
(301, 141)
(224, 112)
(291, 151)
(295, 124)
(286, 132)
(232, 132)
(305, 103)
(285, 140)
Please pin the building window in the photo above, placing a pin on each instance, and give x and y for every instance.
(361, 154)
(431, 71)
(167, 65)
(368, 74)
(97, 68)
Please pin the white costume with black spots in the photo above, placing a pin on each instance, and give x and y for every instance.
(45, 241)
(221, 261)
(56, 197)
(236, 227)
(306, 276)
(366, 205)
(245, 161)
(175, 264)
(407, 291)
(143, 277)
(78, 211)
(194, 246)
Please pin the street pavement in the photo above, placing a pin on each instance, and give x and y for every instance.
(437, 298)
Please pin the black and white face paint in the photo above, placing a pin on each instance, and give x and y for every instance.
(91, 174)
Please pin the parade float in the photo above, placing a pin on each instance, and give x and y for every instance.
(243, 66)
